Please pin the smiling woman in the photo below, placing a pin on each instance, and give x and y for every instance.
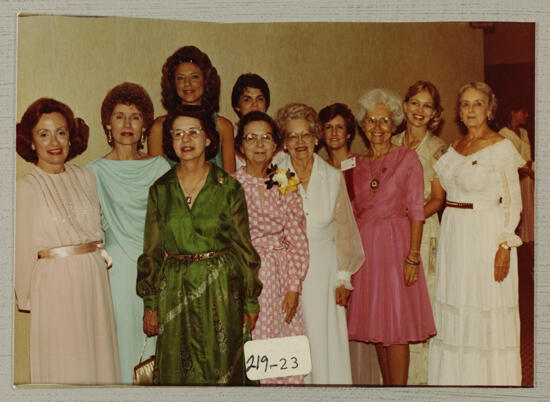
(60, 265)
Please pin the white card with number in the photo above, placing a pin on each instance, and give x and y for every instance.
(277, 357)
(348, 164)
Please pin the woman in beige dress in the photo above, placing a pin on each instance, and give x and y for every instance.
(422, 109)
(60, 266)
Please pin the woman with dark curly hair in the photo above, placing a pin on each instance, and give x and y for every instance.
(422, 109)
(198, 274)
(189, 78)
(60, 264)
(123, 178)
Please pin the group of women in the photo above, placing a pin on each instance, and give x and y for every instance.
(203, 257)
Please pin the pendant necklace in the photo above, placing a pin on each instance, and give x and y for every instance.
(189, 197)
(375, 182)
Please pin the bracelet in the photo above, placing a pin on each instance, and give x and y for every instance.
(505, 246)
(411, 262)
(414, 251)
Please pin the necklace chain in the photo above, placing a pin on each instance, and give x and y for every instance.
(189, 195)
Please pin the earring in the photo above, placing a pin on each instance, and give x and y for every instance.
(142, 140)
(110, 137)
(33, 147)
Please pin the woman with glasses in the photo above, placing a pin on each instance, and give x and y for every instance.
(390, 306)
(278, 231)
(198, 274)
(422, 107)
(335, 250)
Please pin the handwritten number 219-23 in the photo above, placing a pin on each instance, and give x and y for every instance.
(265, 360)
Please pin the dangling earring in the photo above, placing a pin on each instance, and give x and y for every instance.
(33, 147)
(110, 137)
(142, 140)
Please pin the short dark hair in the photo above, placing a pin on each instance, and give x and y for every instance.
(128, 93)
(210, 99)
(207, 123)
(249, 118)
(78, 129)
(339, 109)
(249, 80)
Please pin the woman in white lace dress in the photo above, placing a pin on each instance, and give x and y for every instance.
(476, 299)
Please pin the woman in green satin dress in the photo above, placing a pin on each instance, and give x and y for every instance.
(123, 178)
(198, 274)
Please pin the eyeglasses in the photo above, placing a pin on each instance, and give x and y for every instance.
(256, 139)
(294, 137)
(192, 132)
(385, 122)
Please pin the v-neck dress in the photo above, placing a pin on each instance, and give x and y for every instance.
(382, 309)
(200, 304)
(477, 318)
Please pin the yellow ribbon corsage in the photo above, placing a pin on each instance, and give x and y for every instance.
(284, 179)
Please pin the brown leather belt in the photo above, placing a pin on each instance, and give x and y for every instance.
(195, 257)
(461, 205)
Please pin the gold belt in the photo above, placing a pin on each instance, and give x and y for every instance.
(461, 205)
(195, 257)
(65, 251)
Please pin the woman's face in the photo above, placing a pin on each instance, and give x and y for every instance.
(50, 138)
(419, 109)
(520, 116)
(474, 108)
(189, 138)
(334, 133)
(378, 125)
(258, 145)
(126, 125)
(300, 140)
(189, 82)
(252, 99)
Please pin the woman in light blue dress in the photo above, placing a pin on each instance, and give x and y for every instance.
(123, 178)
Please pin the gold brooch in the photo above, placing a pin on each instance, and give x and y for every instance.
(221, 180)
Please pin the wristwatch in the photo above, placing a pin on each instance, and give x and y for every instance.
(505, 246)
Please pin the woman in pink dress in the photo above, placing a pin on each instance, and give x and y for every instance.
(278, 230)
(390, 306)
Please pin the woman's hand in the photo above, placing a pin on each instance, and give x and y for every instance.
(290, 304)
(150, 322)
(410, 271)
(502, 264)
(342, 295)
(252, 318)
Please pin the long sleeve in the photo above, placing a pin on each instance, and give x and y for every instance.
(26, 253)
(295, 235)
(149, 262)
(348, 239)
(242, 245)
(415, 188)
(511, 195)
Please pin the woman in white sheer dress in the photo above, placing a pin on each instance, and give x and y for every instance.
(476, 298)
(335, 246)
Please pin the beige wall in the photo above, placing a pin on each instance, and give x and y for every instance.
(77, 60)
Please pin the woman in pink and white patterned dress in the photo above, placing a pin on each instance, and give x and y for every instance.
(278, 230)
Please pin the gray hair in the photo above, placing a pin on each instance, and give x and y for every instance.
(381, 96)
(483, 88)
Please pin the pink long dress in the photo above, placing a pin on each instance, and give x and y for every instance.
(278, 231)
(382, 309)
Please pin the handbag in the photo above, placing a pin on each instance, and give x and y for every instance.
(143, 371)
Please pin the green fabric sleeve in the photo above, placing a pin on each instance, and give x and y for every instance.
(242, 244)
(149, 262)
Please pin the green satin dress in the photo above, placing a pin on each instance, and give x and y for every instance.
(200, 304)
